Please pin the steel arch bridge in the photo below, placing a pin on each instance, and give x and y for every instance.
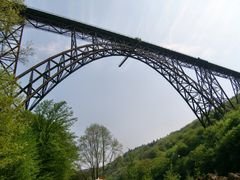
(200, 88)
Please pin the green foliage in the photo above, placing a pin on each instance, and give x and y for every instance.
(171, 175)
(56, 146)
(10, 14)
(149, 154)
(17, 146)
(185, 154)
(34, 146)
(226, 151)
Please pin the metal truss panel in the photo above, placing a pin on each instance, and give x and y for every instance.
(64, 26)
(215, 93)
(235, 82)
(9, 48)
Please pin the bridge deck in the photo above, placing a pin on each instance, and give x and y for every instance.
(64, 23)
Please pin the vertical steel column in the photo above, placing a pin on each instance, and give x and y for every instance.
(215, 92)
(195, 95)
(10, 43)
(73, 47)
(236, 87)
(29, 89)
(94, 39)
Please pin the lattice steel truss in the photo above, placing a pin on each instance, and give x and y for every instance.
(9, 48)
(202, 97)
(200, 89)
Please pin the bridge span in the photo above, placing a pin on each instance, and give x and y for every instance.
(200, 88)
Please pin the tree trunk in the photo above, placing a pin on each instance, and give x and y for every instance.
(93, 173)
(103, 158)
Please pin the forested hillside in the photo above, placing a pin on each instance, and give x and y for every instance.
(185, 154)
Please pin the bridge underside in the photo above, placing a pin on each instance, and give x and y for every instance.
(200, 88)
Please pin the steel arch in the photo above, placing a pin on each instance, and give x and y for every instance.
(43, 77)
(201, 90)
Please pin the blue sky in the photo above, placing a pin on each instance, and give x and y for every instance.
(135, 103)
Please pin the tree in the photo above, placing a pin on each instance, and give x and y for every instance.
(56, 144)
(97, 148)
(33, 146)
(10, 14)
(17, 145)
(171, 175)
